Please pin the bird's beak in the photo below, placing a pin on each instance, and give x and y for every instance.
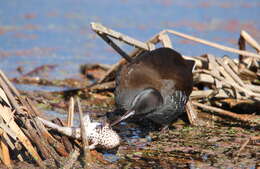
(125, 116)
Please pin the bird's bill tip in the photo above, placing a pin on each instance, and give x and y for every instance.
(125, 116)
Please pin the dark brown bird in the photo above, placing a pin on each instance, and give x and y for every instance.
(155, 85)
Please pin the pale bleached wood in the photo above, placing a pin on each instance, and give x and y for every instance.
(4, 126)
(97, 27)
(10, 95)
(4, 97)
(8, 118)
(228, 77)
(70, 117)
(253, 88)
(12, 146)
(197, 94)
(84, 137)
(235, 85)
(250, 40)
(165, 39)
(213, 67)
(9, 84)
(212, 44)
(192, 114)
(231, 72)
(203, 78)
(5, 154)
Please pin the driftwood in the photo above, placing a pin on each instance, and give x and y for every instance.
(224, 77)
(33, 137)
(38, 142)
(8, 117)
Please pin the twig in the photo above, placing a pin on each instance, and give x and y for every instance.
(166, 41)
(192, 114)
(37, 140)
(242, 46)
(84, 137)
(114, 67)
(97, 27)
(115, 47)
(235, 85)
(10, 96)
(103, 86)
(5, 153)
(8, 118)
(250, 40)
(9, 84)
(244, 118)
(70, 116)
(212, 44)
(52, 141)
(32, 106)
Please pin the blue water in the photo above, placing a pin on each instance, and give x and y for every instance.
(34, 32)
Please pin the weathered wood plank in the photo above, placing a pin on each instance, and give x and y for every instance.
(215, 45)
(131, 41)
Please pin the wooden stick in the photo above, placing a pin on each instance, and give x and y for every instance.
(11, 145)
(51, 140)
(250, 93)
(4, 126)
(10, 96)
(166, 41)
(242, 46)
(9, 84)
(244, 118)
(115, 47)
(212, 44)
(64, 139)
(70, 117)
(84, 137)
(192, 114)
(5, 153)
(97, 27)
(37, 140)
(103, 87)
(197, 94)
(250, 40)
(232, 74)
(4, 98)
(8, 118)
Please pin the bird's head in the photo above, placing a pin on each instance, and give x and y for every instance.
(144, 102)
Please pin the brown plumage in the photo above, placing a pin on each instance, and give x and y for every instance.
(155, 85)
